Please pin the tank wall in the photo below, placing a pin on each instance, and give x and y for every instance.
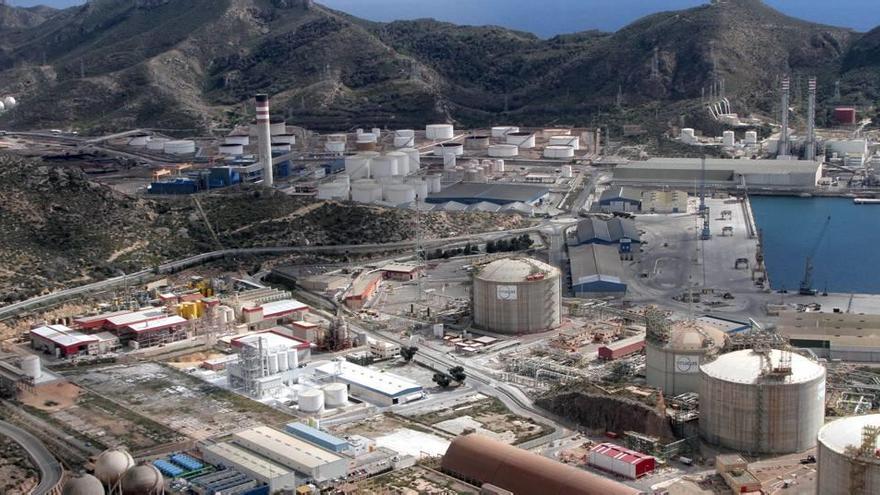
(673, 372)
(534, 308)
(768, 418)
(835, 474)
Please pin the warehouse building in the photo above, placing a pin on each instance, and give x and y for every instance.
(621, 232)
(222, 482)
(259, 316)
(845, 336)
(154, 332)
(383, 389)
(620, 461)
(316, 463)
(622, 199)
(482, 461)
(362, 289)
(401, 271)
(119, 322)
(596, 271)
(320, 438)
(264, 470)
(61, 341)
(498, 193)
(666, 201)
(720, 173)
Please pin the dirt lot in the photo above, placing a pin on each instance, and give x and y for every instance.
(52, 397)
(17, 474)
(413, 481)
(194, 359)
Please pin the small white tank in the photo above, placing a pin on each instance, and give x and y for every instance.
(311, 400)
(397, 194)
(728, 138)
(242, 139)
(751, 137)
(434, 183)
(503, 131)
(503, 150)
(282, 362)
(415, 159)
(402, 161)
(9, 102)
(404, 142)
(180, 147)
(336, 395)
(231, 149)
(523, 140)
(273, 364)
(366, 191)
(377, 132)
(558, 152)
(334, 146)
(357, 166)
(284, 138)
(31, 366)
(450, 161)
(383, 166)
(442, 149)
(573, 141)
(292, 359)
(439, 131)
(277, 127)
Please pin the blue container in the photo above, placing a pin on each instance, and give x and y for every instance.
(176, 186)
(186, 462)
(168, 469)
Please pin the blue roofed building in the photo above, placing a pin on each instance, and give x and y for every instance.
(225, 482)
(596, 271)
(317, 437)
(469, 193)
(383, 389)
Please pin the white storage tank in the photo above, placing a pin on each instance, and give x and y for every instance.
(157, 144)
(383, 166)
(333, 190)
(376, 132)
(112, 464)
(516, 296)
(284, 138)
(273, 364)
(292, 359)
(402, 162)
(442, 149)
(415, 159)
(760, 402)
(551, 133)
(367, 137)
(241, 139)
(498, 166)
(404, 138)
(334, 146)
(31, 367)
(844, 466)
(311, 400)
(357, 166)
(567, 172)
(9, 102)
(439, 131)
(336, 395)
(419, 186)
(434, 183)
(573, 141)
(180, 147)
(558, 152)
(397, 194)
(277, 126)
(282, 361)
(687, 135)
(503, 150)
(728, 138)
(366, 191)
(503, 131)
(139, 140)
(523, 140)
(231, 149)
(751, 138)
(478, 142)
(675, 351)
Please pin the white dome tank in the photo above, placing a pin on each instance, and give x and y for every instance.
(503, 150)
(242, 139)
(839, 457)
(336, 395)
(180, 147)
(311, 400)
(366, 191)
(439, 131)
(9, 102)
(84, 484)
(442, 149)
(573, 141)
(558, 152)
(357, 166)
(383, 166)
(523, 140)
(402, 161)
(415, 159)
(231, 149)
(419, 186)
(503, 131)
(516, 296)
(112, 464)
(31, 366)
(143, 479)
(157, 144)
(399, 193)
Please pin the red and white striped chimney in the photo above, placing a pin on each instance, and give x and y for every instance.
(264, 136)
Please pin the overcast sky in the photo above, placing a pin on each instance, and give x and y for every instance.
(549, 17)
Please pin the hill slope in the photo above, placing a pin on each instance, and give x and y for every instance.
(194, 63)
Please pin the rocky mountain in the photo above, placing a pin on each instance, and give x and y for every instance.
(196, 63)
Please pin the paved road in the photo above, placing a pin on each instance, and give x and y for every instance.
(50, 469)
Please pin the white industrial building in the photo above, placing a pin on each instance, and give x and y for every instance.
(384, 389)
(316, 463)
(261, 469)
(720, 173)
(266, 364)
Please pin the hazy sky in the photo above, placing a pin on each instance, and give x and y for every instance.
(549, 17)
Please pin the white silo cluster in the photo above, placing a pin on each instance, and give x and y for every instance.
(435, 183)
(438, 132)
(366, 191)
(335, 143)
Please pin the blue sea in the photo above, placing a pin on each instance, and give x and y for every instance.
(847, 259)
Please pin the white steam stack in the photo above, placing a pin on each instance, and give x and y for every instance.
(783, 137)
(811, 121)
(264, 135)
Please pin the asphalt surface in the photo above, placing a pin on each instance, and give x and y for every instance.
(50, 469)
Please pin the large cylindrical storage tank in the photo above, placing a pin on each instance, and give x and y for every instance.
(522, 140)
(143, 479)
(404, 138)
(503, 150)
(503, 130)
(277, 126)
(516, 295)
(754, 402)
(558, 152)
(284, 138)
(139, 140)
(415, 159)
(383, 166)
(573, 141)
(674, 359)
(241, 139)
(751, 137)
(336, 395)
(728, 138)
(439, 131)
(419, 186)
(551, 133)
(292, 359)
(402, 161)
(839, 459)
(180, 147)
(478, 142)
(112, 464)
(311, 400)
(456, 149)
(272, 363)
(282, 361)
(397, 194)
(231, 149)
(31, 366)
(366, 191)
(9, 102)
(357, 166)
(157, 144)
(434, 183)
(333, 190)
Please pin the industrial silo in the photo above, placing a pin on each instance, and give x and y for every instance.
(502, 131)
(439, 131)
(357, 166)
(336, 395)
(849, 456)
(84, 484)
(402, 161)
(366, 191)
(766, 401)
(503, 150)
(443, 149)
(31, 366)
(477, 142)
(311, 400)
(111, 465)
(143, 479)
(558, 152)
(522, 140)
(516, 295)
(675, 351)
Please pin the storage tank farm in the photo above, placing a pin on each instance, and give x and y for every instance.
(675, 351)
(516, 295)
(762, 401)
(849, 456)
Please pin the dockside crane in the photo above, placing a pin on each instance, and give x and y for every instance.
(807, 282)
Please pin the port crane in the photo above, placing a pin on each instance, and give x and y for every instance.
(806, 288)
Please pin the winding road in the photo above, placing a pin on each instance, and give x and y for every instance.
(50, 469)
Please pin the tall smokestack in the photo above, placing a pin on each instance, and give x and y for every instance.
(783, 137)
(264, 138)
(811, 121)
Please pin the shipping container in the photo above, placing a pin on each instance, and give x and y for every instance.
(845, 115)
(176, 186)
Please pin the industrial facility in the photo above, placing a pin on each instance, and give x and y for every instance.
(675, 352)
(516, 296)
(849, 456)
(683, 173)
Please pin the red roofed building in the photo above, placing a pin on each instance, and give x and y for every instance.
(121, 321)
(273, 313)
(156, 331)
(362, 289)
(618, 460)
(97, 321)
(621, 348)
(61, 341)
